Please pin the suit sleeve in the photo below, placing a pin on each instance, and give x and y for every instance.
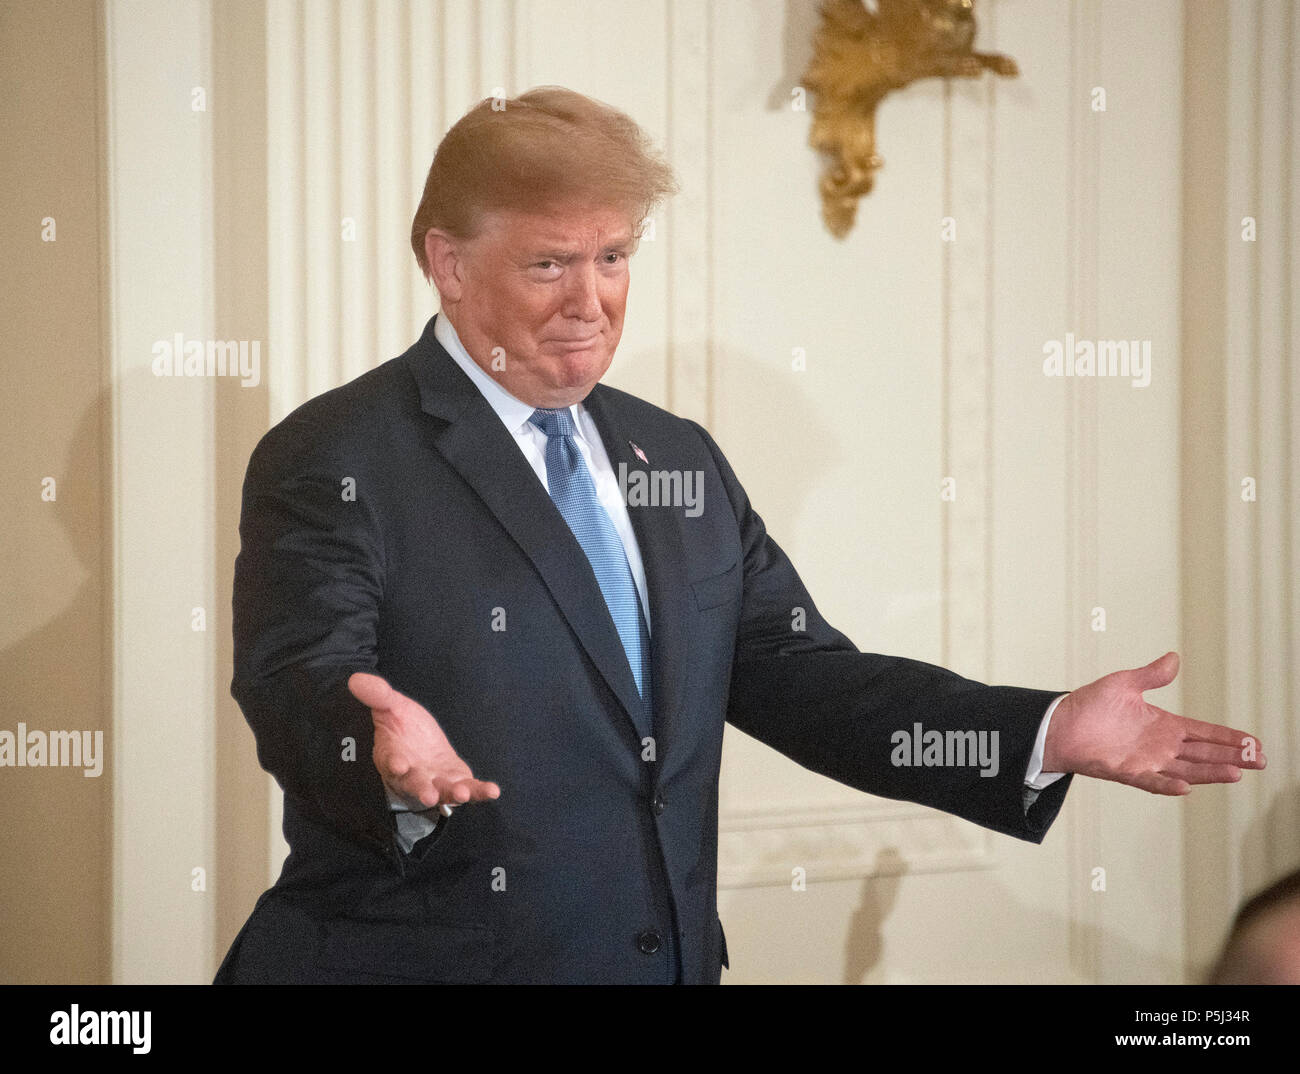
(810, 694)
(308, 586)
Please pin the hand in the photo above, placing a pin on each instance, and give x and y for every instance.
(413, 756)
(1106, 730)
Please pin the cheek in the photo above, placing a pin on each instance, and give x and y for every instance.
(542, 309)
(527, 318)
(615, 303)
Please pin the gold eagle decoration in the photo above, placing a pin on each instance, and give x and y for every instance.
(859, 55)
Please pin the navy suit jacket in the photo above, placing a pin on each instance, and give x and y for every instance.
(597, 864)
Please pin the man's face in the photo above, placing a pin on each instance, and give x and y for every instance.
(549, 289)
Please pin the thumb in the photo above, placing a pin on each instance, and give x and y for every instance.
(1158, 673)
(371, 690)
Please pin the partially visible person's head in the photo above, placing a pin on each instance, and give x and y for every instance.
(1264, 945)
(530, 212)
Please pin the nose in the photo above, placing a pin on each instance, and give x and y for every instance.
(582, 298)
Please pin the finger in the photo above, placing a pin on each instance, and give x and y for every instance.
(415, 788)
(1203, 752)
(1209, 753)
(1251, 754)
(411, 792)
(1157, 783)
(1158, 673)
(391, 761)
(1202, 773)
(371, 690)
(470, 790)
(1201, 731)
(1204, 731)
(420, 788)
(397, 766)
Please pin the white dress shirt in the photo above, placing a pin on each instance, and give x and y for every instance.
(515, 414)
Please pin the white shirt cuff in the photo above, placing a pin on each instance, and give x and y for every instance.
(1035, 777)
(411, 827)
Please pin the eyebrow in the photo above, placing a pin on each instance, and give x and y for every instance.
(564, 255)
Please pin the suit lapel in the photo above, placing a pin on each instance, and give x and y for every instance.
(482, 451)
(659, 535)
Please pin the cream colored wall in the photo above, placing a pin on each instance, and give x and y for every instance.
(1240, 413)
(923, 362)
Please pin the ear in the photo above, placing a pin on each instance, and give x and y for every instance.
(445, 257)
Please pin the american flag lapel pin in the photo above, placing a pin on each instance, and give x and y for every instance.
(638, 452)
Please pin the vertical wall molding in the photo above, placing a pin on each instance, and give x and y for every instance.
(967, 375)
(1083, 515)
(689, 296)
(161, 751)
(240, 296)
(1268, 439)
(1240, 414)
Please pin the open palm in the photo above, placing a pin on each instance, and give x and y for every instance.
(413, 756)
(1107, 730)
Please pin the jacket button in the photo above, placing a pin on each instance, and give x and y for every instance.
(649, 942)
(657, 803)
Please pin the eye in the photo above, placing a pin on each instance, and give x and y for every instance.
(546, 269)
(616, 255)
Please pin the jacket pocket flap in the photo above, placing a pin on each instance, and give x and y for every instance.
(717, 589)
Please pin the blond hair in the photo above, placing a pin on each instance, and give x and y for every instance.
(545, 148)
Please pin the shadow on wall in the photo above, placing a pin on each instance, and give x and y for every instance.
(864, 951)
(865, 945)
(56, 842)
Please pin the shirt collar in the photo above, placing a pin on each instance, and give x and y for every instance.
(514, 413)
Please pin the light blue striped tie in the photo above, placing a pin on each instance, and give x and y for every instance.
(571, 487)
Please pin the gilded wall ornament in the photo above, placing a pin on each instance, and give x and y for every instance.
(859, 55)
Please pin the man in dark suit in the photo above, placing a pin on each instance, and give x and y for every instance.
(445, 572)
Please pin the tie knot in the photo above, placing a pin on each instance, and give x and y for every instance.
(554, 422)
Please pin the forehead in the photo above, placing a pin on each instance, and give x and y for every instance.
(568, 227)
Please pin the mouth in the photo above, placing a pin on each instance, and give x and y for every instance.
(576, 344)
